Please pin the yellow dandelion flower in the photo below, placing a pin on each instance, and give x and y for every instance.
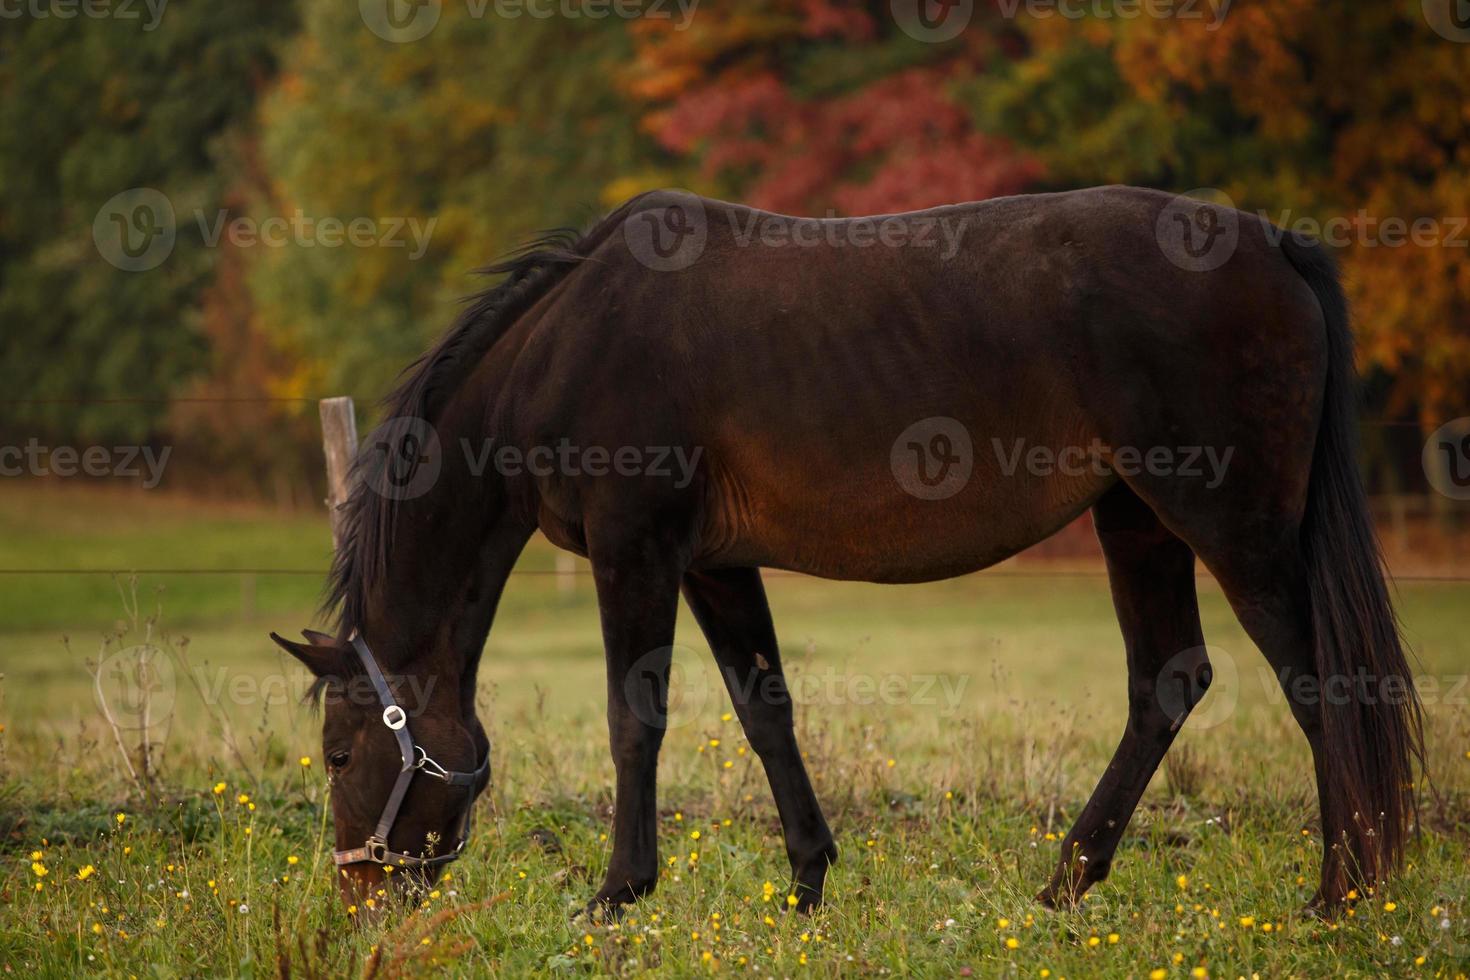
(1247, 921)
(1389, 906)
(726, 716)
(121, 818)
(37, 855)
(1094, 941)
(293, 859)
(891, 763)
(1158, 974)
(305, 761)
(1112, 939)
(1182, 881)
(714, 743)
(791, 900)
(39, 869)
(219, 789)
(85, 871)
(767, 890)
(97, 928)
(1003, 923)
(242, 799)
(1012, 942)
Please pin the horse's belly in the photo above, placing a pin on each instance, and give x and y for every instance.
(903, 526)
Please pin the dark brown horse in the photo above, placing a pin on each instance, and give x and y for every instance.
(693, 390)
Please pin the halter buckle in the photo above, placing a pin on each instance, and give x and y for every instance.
(428, 766)
(395, 717)
(377, 850)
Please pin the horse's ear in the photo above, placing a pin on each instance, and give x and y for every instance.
(323, 657)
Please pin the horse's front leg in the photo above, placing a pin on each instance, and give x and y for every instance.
(638, 593)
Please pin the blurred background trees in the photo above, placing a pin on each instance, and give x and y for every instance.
(494, 128)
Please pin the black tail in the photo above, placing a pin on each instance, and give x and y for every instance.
(1371, 716)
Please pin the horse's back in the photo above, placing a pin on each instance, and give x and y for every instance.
(827, 370)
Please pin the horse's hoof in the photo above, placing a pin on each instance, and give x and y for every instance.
(806, 902)
(600, 912)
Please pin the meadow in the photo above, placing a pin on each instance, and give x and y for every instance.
(953, 730)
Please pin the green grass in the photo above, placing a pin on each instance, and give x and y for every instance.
(943, 804)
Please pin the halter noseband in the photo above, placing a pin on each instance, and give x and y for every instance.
(415, 759)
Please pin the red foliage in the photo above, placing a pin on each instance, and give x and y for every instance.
(894, 145)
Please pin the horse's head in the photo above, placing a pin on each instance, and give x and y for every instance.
(404, 762)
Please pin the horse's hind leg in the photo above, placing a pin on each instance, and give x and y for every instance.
(730, 605)
(1152, 577)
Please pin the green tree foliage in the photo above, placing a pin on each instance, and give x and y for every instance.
(90, 107)
(493, 128)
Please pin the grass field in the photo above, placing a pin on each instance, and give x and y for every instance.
(953, 731)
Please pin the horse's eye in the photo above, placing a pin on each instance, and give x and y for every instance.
(339, 760)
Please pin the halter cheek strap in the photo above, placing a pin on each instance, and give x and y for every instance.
(414, 759)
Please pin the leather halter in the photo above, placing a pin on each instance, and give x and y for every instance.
(415, 759)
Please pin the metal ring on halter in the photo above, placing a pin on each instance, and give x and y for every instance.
(375, 849)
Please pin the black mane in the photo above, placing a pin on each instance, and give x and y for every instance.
(368, 516)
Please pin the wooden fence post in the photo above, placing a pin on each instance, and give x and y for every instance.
(339, 443)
